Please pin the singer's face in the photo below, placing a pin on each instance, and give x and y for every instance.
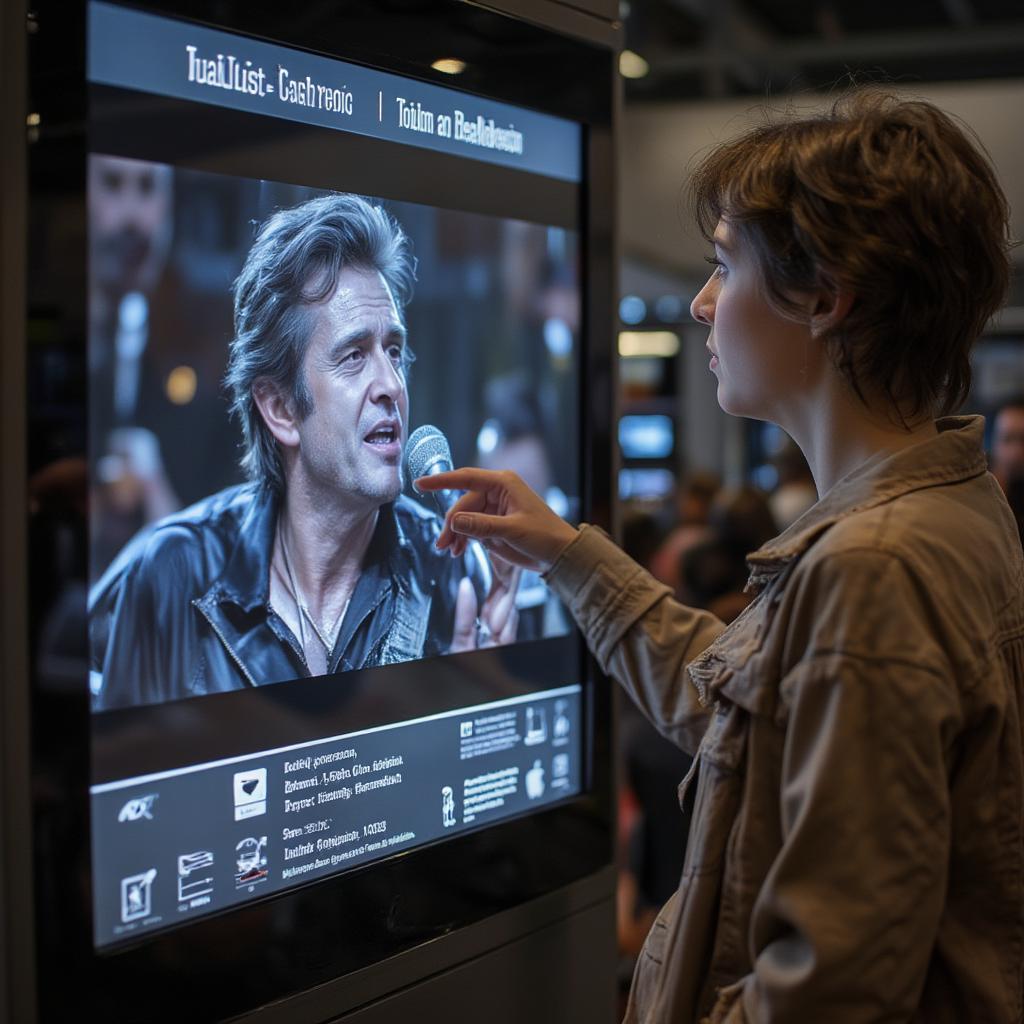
(351, 443)
(762, 361)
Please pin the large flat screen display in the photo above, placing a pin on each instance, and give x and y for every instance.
(310, 282)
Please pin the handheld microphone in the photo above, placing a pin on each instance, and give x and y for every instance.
(427, 452)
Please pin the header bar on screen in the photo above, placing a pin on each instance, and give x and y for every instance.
(147, 53)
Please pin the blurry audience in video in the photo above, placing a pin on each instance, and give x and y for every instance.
(155, 342)
(1006, 459)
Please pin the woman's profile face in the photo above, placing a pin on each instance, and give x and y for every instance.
(764, 363)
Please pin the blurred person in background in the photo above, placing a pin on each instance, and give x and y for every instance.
(693, 506)
(642, 537)
(1007, 456)
(1006, 459)
(794, 492)
(652, 840)
(713, 573)
(157, 343)
(856, 846)
(131, 217)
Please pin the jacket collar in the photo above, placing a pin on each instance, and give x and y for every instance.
(953, 455)
(245, 580)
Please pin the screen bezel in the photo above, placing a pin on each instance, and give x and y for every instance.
(570, 843)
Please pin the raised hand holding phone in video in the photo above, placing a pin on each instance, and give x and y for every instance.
(502, 512)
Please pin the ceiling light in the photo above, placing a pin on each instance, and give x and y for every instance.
(632, 65)
(634, 344)
(449, 66)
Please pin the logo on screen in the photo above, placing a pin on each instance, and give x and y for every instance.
(139, 807)
(250, 793)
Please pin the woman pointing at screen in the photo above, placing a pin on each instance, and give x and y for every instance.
(856, 852)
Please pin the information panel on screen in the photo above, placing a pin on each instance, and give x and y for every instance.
(310, 283)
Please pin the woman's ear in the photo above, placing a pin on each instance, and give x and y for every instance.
(830, 307)
(277, 412)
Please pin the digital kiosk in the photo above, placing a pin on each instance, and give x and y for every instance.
(262, 266)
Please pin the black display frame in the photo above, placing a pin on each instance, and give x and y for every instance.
(292, 943)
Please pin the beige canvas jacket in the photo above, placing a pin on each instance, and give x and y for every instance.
(856, 849)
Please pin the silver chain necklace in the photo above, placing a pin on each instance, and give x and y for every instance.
(327, 641)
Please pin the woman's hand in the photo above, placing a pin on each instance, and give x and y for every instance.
(504, 514)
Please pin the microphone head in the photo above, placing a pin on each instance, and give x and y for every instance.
(427, 452)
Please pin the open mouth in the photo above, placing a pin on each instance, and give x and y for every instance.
(385, 439)
(382, 435)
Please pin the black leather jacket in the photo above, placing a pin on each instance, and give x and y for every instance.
(184, 609)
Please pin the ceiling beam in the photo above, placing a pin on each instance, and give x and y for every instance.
(865, 46)
(732, 32)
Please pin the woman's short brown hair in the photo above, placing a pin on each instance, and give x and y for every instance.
(891, 200)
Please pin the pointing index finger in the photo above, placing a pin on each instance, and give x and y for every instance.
(468, 479)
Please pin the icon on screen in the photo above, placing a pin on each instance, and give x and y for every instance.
(562, 724)
(560, 771)
(535, 781)
(465, 729)
(250, 793)
(536, 726)
(190, 865)
(137, 896)
(447, 807)
(137, 808)
(251, 861)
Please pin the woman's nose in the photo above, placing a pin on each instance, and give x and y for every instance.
(703, 306)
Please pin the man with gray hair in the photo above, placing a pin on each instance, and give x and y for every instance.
(319, 564)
